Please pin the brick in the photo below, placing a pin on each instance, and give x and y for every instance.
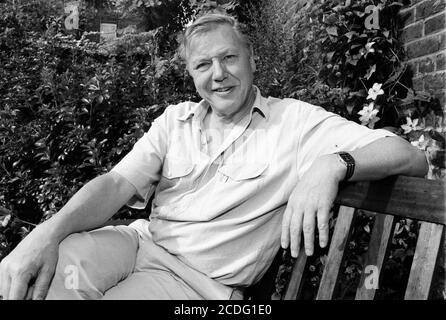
(442, 41)
(426, 65)
(428, 8)
(407, 16)
(434, 24)
(418, 84)
(413, 66)
(434, 82)
(442, 99)
(412, 32)
(441, 61)
(425, 46)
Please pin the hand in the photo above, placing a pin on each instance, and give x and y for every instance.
(312, 198)
(27, 271)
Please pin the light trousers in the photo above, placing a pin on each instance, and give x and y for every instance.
(121, 262)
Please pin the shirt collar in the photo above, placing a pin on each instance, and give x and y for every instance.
(202, 107)
(197, 109)
(260, 104)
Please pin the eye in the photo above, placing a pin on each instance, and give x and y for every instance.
(230, 57)
(202, 66)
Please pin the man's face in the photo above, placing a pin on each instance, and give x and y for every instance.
(222, 69)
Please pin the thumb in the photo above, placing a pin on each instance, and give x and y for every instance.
(41, 285)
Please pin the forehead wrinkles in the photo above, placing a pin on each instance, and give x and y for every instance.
(206, 43)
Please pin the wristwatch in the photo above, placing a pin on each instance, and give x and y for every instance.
(347, 159)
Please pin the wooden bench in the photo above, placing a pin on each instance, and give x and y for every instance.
(407, 197)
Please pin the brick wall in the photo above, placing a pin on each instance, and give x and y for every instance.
(424, 37)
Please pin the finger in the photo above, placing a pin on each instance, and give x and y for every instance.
(295, 232)
(29, 294)
(5, 282)
(19, 287)
(308, 230)
(285, 235)
(42, 285)
(322, 226)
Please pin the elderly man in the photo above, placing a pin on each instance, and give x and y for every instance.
(235, 176)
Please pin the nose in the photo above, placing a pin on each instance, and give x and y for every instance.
(218, 72)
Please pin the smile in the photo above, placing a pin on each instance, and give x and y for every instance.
(222, 90)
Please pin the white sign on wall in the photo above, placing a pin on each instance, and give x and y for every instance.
(108, 31)
(72, 9)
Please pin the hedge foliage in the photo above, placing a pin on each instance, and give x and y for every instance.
(71, 108)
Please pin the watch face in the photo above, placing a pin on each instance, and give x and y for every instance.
(347, 157)
(349, 162)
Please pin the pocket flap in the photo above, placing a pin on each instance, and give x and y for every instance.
(243, 171)
(176, 168)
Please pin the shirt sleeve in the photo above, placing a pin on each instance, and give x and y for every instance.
(325, 132)
(143, 164)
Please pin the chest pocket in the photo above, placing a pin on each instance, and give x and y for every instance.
(176, 173)
(244, 171)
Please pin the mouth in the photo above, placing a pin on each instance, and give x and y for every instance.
(223, 89)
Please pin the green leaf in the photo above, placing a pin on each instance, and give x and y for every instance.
(333, 31)
(360, 93)
(370, 71)
(350, 34)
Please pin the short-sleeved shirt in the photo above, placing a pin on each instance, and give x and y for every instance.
(222, 214)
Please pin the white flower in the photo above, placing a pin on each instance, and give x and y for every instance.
(368, 115)
(410, 125)
(375, 91)
(421, 143)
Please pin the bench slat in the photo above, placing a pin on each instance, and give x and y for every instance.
(409, 197)
(377, 252)
(295, 282)
(336, 253)
(424, 260)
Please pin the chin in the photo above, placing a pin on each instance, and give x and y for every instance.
(223, 109)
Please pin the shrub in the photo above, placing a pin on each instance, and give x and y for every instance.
(70, 110)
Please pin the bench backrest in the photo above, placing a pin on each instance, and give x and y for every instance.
(408, 197)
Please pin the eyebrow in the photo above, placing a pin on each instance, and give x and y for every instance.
(205, 57)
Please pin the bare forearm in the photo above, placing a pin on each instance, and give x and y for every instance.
(90, 207)
(388, 156)
(379, 159)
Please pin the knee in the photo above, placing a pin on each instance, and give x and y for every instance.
(73, 247)
(66, 278)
